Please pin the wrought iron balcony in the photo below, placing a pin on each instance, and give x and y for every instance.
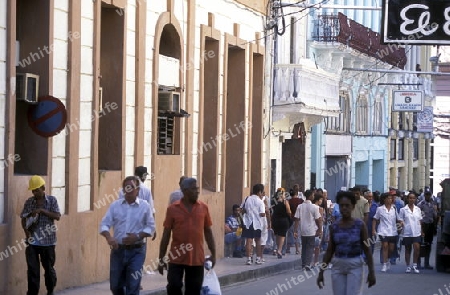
(339, 28)
(325, 28)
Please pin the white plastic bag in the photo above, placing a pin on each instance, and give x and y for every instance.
(211, 285)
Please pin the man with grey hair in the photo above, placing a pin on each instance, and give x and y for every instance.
(177, 194)
(188, 222)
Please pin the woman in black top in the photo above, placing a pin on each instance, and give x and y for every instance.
(281, 213)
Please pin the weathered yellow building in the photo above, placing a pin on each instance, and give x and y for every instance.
(174, 85)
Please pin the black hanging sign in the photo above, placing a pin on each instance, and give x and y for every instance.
(416, 22)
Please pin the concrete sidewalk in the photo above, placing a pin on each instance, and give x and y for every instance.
(229, 270)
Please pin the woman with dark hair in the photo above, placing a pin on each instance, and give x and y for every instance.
(386, 218)
(294, 202)
(347, 242)
(411, 219)
(281, 213)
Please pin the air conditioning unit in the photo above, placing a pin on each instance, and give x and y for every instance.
(27, 87)
(169, 101)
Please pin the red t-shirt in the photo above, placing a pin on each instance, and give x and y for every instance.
(187, 246)
(293, 204)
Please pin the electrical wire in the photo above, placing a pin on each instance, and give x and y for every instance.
(313, 6)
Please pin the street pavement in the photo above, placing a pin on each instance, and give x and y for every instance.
(396, 281)
(283, 276)
(229, 270)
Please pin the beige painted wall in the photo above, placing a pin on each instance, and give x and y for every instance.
(82, 254)
(258, 5)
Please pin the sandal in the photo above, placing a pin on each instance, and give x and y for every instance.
(279, 255)
(297, 252)
(275, 252)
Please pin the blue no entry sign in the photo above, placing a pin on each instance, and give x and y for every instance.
(48, 117)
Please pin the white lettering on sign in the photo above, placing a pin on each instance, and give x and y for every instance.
(447, 23)
(423, 24)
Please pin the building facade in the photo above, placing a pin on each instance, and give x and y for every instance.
(302, 96)
(441, 143)
(176, 85)
(361, 146)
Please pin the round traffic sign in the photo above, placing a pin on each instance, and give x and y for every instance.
(48, 117)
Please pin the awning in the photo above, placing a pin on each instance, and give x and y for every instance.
(182, 114)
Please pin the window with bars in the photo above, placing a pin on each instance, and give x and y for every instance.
(415, 149)
(393, 150)
(340, 124)
(165, 135)
(378, 117)
(362, 115)
(401, 120)
(401, 149)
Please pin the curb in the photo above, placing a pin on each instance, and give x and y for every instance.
(244, 276)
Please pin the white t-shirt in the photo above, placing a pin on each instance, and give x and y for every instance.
(253, 207)
(411, 219)
(307, 212)
(388, 221)
(264, 219)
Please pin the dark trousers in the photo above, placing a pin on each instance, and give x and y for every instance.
(307, 250)
(36, 255)
(193, 279)
(428, 229)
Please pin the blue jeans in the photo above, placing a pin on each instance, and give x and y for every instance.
(325, 237)
(347, 276)
(126, 270)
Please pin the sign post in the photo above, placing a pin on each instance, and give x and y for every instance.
(407, 101)
(48, 117)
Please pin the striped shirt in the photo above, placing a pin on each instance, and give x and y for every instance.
(43, 232)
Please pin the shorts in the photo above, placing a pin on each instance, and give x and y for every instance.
(389, 239)
(408, 241)
(251, 233)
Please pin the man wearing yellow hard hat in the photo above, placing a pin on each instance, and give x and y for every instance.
(38, 221)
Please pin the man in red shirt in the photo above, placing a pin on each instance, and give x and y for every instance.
(188, 222)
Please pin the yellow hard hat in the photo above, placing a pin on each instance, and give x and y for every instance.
(35, 182)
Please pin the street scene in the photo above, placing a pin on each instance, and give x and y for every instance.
(395, 283)
(224, 146)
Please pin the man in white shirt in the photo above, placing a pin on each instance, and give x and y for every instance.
(254, 212)
(132, 221)
(310, 220)
(144, 192)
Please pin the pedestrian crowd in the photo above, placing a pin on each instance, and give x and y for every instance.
(345, 232)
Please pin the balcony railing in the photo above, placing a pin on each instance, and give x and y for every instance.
(298, 85)
(326, 28)
(339, 28)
